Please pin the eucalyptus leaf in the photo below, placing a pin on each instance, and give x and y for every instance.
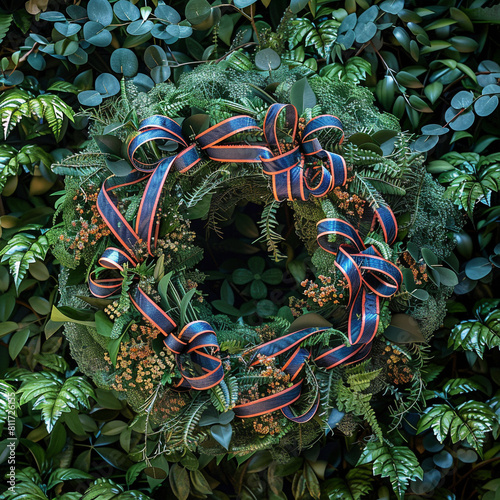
(107, 84)
(96, 34)
(126, 11)
(124, 61)
(267, 60)
(100, 11)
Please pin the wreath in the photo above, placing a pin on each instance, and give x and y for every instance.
(252, 259)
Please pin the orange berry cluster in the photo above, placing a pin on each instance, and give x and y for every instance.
(328, 292)
(418, 269)
(269, 423)
(265, 332)
(397, 372)
(87, 232)
(352, 204)
(297, 305)
(137, 364)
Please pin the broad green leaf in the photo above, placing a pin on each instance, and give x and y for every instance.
(469, 422)
(477, 335)
(398, 463)
(53, 396)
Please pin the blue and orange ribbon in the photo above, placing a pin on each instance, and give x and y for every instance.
(290, 170)
(298, 172)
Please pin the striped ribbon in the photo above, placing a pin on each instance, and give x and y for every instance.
(305, 169)
(292, 178)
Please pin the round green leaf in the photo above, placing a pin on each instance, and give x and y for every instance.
(425, 143)
(457, 121)
(485, 105)
(266, 308)
(96, 34)
(267, 60)
(272, 276)
(478, 268)
(90, 98)
(462, 100)
(140, 27)
(67, 29)
(256, 265)
(365, 32)
(100, 11)
(392, 6)
(167, 13)
(160, 74)
(197, 11)
(124, 61)
(126, 11)
(258, 289)
(369, 15)
(79, 58)
(434, 129)
(143, 82)
(107, 85)
(447, 276)
(155, 56)
(242, 276)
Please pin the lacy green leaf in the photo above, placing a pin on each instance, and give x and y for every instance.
(469, 422)
(398, 463)
(357, 483)
(53, 396)
(476, 334)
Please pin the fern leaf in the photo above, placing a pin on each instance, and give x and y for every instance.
(55, 396)
(219, 395)
(469, 422)
(398, 463)
(358, 404)
(13, 106)
(476, 334)
(267, 225)
(361, 381)
(5, 20)
(22, 250)
(357, 483)
(7, 394)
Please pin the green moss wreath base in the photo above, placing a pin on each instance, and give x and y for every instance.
(120, 350)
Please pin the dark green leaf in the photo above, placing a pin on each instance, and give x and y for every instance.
(267, 60)
(124, 61)
(302, 96)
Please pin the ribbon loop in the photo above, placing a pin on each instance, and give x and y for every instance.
(193, 340)
(293, 178)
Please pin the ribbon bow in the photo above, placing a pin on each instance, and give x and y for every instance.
(368, 274)
(292, 177)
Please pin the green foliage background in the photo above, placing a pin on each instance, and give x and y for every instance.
(435, 66)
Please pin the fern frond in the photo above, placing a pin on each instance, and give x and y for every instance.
(267, 225)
